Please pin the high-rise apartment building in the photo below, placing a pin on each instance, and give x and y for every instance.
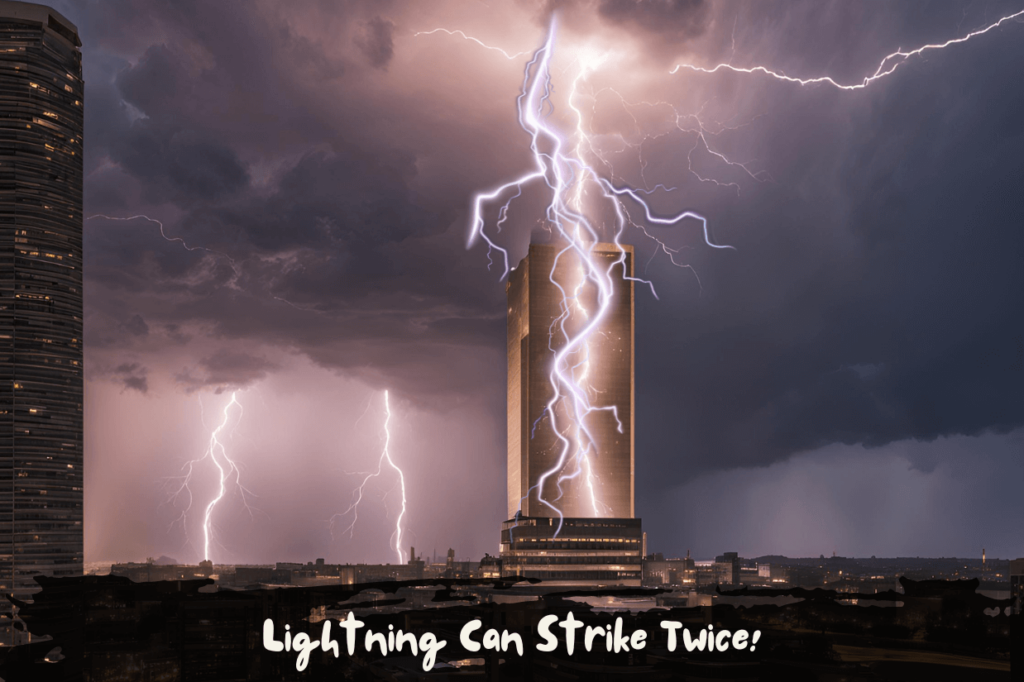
(570, 484)
(41, 98)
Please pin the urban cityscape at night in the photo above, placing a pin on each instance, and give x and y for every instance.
(595, 339)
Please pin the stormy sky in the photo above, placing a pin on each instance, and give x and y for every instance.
(850, 378)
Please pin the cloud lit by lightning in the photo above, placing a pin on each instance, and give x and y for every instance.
(385, 457)
(228, 474)
(888, 65)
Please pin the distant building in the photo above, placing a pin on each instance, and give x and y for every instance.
(707, 573)
(148, 571)
(245, 576)
(662, 572)
(459, 569)
(283, 573)
(321, 573)
(1017, 584)
(773, 574)
(749, 576)
(41, 93)
(728, 568)
(490, 567)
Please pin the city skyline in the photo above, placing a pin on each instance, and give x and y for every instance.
(843, 381)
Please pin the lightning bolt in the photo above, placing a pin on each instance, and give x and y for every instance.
(568, 177)
(164, 234)
(479, 42)
(385, 457)
(232, 283)
(888, 65)
(228, 474)
(695, 124)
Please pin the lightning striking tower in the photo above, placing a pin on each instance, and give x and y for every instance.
(563, 460)
(570, 339)
(594, 274)
(385, 457)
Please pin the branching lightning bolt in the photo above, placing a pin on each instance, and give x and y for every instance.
(233, 283)
(163, 234)
(228, 474)
(479, 42)
(695, 124)
(567, 175)
(889, 64)
(385, 456)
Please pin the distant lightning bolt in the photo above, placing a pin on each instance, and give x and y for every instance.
(689, 123)
(889, 64)
(163, 233)
(228, 473)
(567, 175)
(479, 42)
(385, 456)
(233, 283)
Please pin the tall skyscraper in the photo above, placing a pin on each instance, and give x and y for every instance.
(603, 368)
(570, 484)
(41, 96)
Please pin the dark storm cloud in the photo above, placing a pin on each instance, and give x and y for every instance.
(156, 83)
(672, 19)
(136, 383)
(174, 159)
(349, 197)
(376, 42)
(469, 330)
(335, 207)
(136, 326)
(175, 333)
(803, 507)
(225, 369)
(871, 299)
(132, 256)
(131, 375)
